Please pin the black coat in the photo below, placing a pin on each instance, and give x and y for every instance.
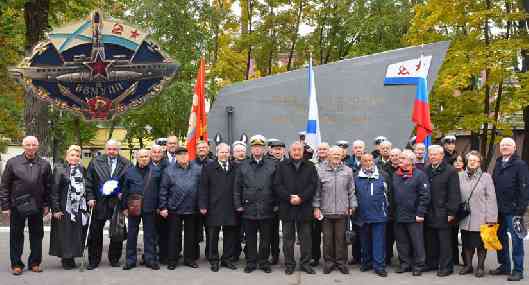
(511, 183)
(22, 176)
(445, 195)
(98, 173)
(252, 189)
(411, 196)
(66, 236)
(291, 181)
(60, 186)
(216, 194)
(134, 183)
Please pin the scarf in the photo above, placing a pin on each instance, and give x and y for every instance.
(76, 198)
(403, 173)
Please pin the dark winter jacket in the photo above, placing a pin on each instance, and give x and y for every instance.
(445, 195)
(371, 195)
(22, 176)
(252, 189)
(216, 194)
(411, 196)
(134, 184)
(511, 181)
(179, 188)
(301, 181)
(354, 164)
(97, 174)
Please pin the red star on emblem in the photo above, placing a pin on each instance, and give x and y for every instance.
(134, 34)
(99, 66)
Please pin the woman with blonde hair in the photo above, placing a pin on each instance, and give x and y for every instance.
(69, 204)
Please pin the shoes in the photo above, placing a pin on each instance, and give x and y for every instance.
(249, 269)
(68, 264)
(466, 270)
(274, 260)
(16, 270)
(353, 261)
(315, 263)
(228, 265)
(401, 270)
(365, 268)
(266, 269)
(215, 267)
(479, 272)
(153, 266)
(498, 271)
(128, 266)
(171, 266)
(91, 266)
(289, 270)
(515, 276)
(307, 269)
(444, 273)
(343, 269)
(381, 273)
(191, 264)
(417, 272)
(36, 269)
(115, 264)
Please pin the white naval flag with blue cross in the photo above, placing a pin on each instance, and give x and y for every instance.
(313, 136)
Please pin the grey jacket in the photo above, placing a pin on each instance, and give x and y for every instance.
(336, 192)
(483, 206)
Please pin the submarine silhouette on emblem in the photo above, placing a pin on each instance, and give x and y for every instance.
(96, 68)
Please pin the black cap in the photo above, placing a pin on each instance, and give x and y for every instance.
(342, 144)
(181, 149)
(276, 142)
(448, 139)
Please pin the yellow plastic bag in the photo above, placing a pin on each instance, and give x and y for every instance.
(489, 235)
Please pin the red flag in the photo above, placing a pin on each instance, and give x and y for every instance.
(198, 120)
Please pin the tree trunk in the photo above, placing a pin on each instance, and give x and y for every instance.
(36, 111)
(486, 100)
(111, 129)
(490, 150)
(522, 25)
(295, 36)
(248, 29)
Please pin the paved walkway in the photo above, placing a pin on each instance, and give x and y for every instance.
(105, 275)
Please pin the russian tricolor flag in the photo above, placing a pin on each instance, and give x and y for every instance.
(415, 72)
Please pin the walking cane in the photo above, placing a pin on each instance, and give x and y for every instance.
(85, 245)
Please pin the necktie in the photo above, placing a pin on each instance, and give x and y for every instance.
(112, 163)
(224, 165)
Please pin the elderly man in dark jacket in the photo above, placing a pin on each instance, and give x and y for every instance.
(178, 203)
(104, 181)
(295, 184)
(445, 200)
(411, 198)
(142, 183)
(254, 198)
(216, 203)
(511, 180)
(26, 181)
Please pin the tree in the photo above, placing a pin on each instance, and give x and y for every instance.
(478, 87)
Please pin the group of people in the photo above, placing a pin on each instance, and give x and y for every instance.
(370, 201)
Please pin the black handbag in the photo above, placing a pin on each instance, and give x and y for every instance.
(350, 235)
(117, 230)
(26, 205)
(463, 210)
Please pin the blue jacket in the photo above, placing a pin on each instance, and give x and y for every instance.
(371, 195)
(511, 183)
(134, 183)
(179, 188)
